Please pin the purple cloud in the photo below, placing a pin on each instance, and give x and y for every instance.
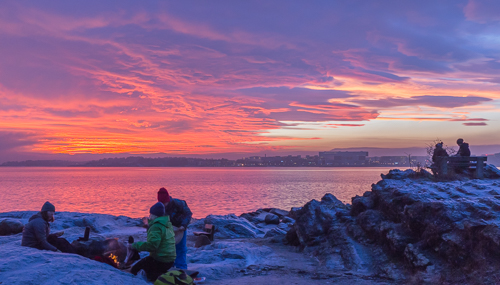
(14, 140)
(474, 124)
(425, 100)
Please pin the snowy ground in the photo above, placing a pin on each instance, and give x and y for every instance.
(22, 265)
(240, 260)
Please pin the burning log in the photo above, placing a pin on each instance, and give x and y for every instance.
(110, 251)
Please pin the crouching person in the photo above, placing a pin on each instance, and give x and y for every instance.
(37, 232)
(160, 244)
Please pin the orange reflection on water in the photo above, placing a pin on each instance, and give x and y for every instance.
(132, 191)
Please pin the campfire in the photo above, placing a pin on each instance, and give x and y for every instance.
(113, 260)
(110, 258)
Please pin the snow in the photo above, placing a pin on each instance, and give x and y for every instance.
(24, 265)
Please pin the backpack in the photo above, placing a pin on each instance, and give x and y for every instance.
(174, 277)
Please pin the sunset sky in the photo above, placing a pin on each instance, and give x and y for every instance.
(248, 77)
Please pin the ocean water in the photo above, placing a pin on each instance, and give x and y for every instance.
(131, 191)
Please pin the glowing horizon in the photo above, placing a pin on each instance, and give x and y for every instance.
(226, 77)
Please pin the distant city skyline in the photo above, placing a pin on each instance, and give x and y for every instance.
(328, 158)
(422, 151)
(88, 80)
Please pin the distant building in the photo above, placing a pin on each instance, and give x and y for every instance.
(343, 158)
(401, 160)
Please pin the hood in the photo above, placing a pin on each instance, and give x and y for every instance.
(164, 220)
(36, 216)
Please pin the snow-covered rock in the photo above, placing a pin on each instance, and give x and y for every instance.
(24, 265)
(408, 227)
(272, 219)
(490, 171)
(73, 224)
(231, 226)
(275, 232)
(223, 258)
(10, 227)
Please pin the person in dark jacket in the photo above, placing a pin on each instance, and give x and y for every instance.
(463, 151)
(180, 216)
(37, 232)
(463, 148)
(160, 244)
(438, 157)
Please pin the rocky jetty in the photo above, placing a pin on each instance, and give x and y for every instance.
(408, 228)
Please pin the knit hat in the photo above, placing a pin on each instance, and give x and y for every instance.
(163, 195)
(48, 207)
(158, 210)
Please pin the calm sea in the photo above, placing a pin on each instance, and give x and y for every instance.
(131, 191)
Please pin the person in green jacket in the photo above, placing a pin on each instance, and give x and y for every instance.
(160, 244)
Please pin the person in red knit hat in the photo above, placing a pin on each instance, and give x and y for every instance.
(180, 216)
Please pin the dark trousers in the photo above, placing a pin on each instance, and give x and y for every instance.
(152, 267)
(60, 243)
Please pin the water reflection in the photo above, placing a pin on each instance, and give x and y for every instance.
(131, 191)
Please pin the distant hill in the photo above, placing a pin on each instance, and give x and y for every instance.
(50, 163)
(139, 161)
(132, 161)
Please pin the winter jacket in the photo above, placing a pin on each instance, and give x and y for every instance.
(464, 150)
(179, 212)
(439, 152)
(161, 240)
(35, 233)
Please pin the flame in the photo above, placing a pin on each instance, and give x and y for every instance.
(114, 258)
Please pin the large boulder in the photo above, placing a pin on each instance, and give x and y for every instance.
(278, 212)
(314, 220)
(361, 204)
(272, 219)
(408, 228)
(451, 225)
(260, 215)
(397, 174)
(10, 227)
(223, 258)
(231, 226)
(275, 232)
(491, 171)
